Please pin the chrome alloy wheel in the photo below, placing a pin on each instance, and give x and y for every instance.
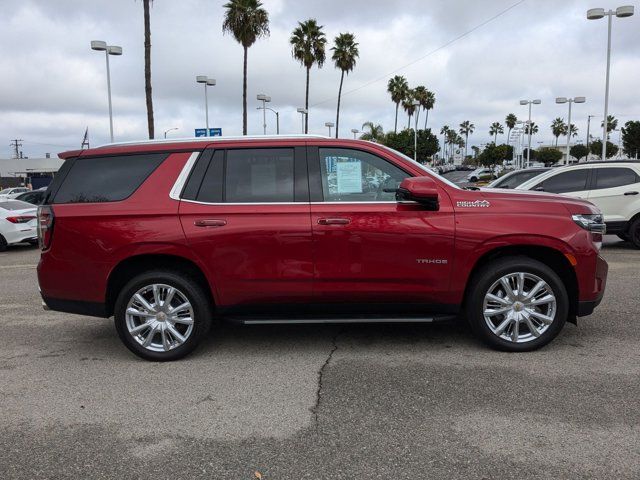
(159, 317)
(519, 307)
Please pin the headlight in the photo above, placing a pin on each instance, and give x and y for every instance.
(592, 222)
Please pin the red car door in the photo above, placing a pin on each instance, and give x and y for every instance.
(245, 213)
(368, 248)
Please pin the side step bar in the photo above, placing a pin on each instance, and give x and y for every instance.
(338, 320)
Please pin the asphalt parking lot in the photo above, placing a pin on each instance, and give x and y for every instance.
(392, 402)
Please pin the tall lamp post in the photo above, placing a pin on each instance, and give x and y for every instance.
(529, 102)
(569, 101)
(416, 106)
(355, 131)
(589, 117)
(208, 82)
(102, 46)
(597, 14)
(303, 112)
(329, 125)
(169, 130)
(264, 99)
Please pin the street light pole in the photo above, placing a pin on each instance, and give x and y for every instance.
(355, 131)
(208, 82)
(100, 45)
(529, 102)
(167, 131)
(329, 125)
(302, 111)
(569, 101)
(597, 14)
(264, 99)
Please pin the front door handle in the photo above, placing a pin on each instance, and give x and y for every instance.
(333, 221)
(631, 193)
(213, 222)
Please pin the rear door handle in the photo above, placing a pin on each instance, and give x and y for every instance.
(631, 193)
(333, 221)
(213, 222)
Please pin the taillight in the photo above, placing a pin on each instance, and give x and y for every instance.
(45, 226)
(21, 219)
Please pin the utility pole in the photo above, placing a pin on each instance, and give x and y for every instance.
(15, 143)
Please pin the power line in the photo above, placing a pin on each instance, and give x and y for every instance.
(435, 50)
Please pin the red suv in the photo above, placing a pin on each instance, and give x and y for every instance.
(167, 236)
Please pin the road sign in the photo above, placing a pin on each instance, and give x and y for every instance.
(213, 132)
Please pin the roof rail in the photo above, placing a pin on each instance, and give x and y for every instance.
(213, 139)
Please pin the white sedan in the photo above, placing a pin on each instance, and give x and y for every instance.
(9, 193)
(18, 223)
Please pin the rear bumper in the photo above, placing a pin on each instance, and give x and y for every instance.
(78, 307)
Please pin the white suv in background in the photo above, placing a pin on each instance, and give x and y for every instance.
(613, 186)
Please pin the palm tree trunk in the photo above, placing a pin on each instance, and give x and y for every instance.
(417, 117)
(147, 68)
(426, 118)
(408, 121)
(395, 127)
(306, 105)
(495, 139)
(244, 93)
(466, 141)
(338, 110)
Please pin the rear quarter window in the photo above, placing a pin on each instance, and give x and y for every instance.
(612, 177)
(106, 179)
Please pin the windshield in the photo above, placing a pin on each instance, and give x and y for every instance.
(5, 191)
(426, 169)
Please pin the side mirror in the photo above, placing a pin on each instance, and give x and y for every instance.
(422, 190)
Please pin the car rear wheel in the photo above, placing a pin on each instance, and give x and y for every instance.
(162, 315)
(517, 304)
(634, 233)
(3, 244)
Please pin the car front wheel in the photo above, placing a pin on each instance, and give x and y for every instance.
(517, 304)
(162, 315)
(634, 233)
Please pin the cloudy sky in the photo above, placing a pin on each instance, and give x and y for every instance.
(52, 86)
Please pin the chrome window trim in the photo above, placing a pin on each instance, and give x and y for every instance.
(176, 190)
(285, 203)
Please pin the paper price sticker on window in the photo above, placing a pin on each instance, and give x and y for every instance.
(349, 176)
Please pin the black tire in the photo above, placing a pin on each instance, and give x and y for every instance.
(3, 244)
(202, 310)
(473, 179)
(485, 278)
(634, 233)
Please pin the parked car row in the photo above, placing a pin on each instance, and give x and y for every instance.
(17, 223)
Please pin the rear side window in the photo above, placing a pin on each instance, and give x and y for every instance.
(106, 179)
(258, 175)
(518, 179)
(572, 181)
(614, 177)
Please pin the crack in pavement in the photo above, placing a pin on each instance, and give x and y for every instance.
(316, 406)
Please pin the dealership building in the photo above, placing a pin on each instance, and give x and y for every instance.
(36, 172)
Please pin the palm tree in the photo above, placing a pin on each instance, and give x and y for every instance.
(345, 53)
(420, 95)
(573, 129)
(496, 129)
(466, 129)
(398, 88)
(247, 21)
(510, 122)
(408, 106)
(375, 132)
(534, 128)
(308, 42)
(612, 124)
(428, 105)
(147, 67)
(558, 127)
(444, 131)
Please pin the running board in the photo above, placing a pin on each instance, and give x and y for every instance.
(339, 320)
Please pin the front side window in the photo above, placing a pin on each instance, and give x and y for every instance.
(106, 179)
(572, 181)
(356, 176)
(259, 175)
(614, 177)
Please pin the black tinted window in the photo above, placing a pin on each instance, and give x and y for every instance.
(211, 187)
(572, 181)
(259, 175)
(518, 179)
(614, 177)
(106, 179)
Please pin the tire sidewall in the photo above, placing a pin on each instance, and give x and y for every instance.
(493, 272)
(201, 309)
(634, 233)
